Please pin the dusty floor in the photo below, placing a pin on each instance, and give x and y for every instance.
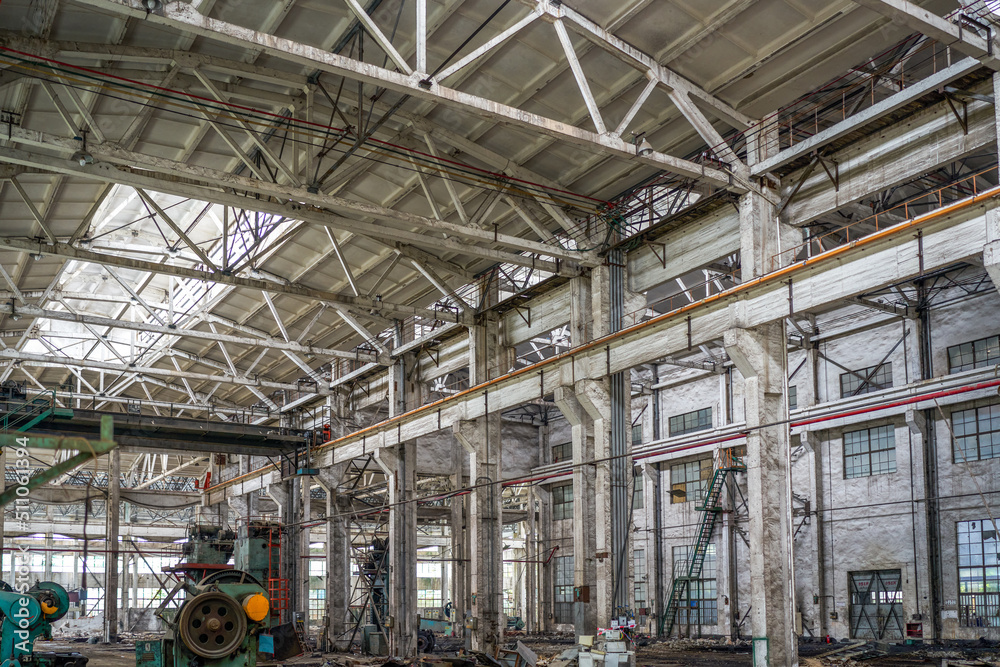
(704, 653)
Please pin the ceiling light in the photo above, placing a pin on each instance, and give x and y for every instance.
(36, 256)
(83, 158)
(643, 148)
(152, 5)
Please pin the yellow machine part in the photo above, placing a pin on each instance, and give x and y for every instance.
(48, 609)
(256, 606)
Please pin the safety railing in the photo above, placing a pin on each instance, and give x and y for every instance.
(967, 186)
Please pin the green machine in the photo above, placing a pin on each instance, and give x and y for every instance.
(223, 622)
(28, 616)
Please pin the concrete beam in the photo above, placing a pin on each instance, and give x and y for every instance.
(859, 120)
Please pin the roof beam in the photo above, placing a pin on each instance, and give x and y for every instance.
(264, 342)
(296, 203)
(186, 18)
(64, 250)
(33, 359)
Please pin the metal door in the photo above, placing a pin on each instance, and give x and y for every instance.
(876, 604)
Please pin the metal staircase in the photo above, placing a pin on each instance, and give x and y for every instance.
(689, 570)
(22, 415)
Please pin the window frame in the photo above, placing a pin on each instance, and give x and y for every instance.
(989, 595)
(701, 481)
(699, 424)
(890, 429)
(974, 350)
(874, 383)
(562, 507)
(978, 434)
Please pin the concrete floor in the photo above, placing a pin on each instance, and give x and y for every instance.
(702, 653)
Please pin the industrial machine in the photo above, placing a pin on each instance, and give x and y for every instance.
(223, 622)
(28, 616)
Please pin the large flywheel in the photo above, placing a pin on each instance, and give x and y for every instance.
(212, 625)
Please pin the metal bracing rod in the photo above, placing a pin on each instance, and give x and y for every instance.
(254, 137)
(490, 45)
(438, 284)
(31, 208)
(135, 294)
(385, 274)
(187, 385)
(13, 286)
(343, 261)
(581, 78)
(233, 145)
(74, 98)
(379, 36)
(354, 324)
(448, 184)
(275, 315)
(177, 230)
(186, 18)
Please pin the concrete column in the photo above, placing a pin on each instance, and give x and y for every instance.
(817, 543)
(399, 464)
(338, 555)
(760, 354)
(48, 556)
(126, 583)
(135, 583)
(459, 565)
(111, 542)
(991, 251)
(545, 579)
(926, 530)
(584, 518)
(305, 516)
(481, 438)
(5, 544)
(531, 567)
(612, 585)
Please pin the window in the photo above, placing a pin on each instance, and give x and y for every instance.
(317, 604)
(563, 598)
(978, 574)
(689, 422)
(636, 434)
(639, 565)
(793, 397)
(637, 491)
(978, 353)
(688, 481)
(94, 602)
(563, 452)
(562, 502)
(429, 585)
(871, 451)
(700, 604)
(317, 567)
(977, 433)
(866, 380)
